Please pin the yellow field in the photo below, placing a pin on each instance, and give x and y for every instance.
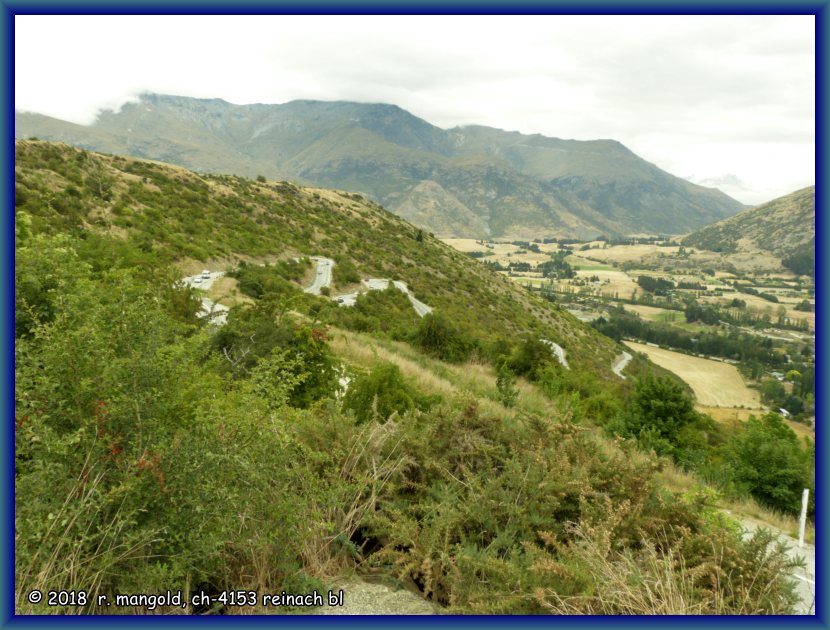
(714, 384)
(501, 250)
(628, 253)
(651, 312)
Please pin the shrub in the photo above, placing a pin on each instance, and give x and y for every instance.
(438, 336)
(767, 461)
(382, 392)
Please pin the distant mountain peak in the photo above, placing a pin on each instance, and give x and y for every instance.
(504, 182)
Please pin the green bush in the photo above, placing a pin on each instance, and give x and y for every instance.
(382, 392)
(766, 460)
(438, 336)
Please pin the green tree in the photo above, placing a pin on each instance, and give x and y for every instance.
(768, 462)
(438, 336)
(531, 357)
(662, 417)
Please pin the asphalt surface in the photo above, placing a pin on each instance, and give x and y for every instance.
(619, 364)
(381, 284)
(322, 277)
(218, 313)
(805, 579)
(558, 351)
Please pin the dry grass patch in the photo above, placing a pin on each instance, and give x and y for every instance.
(714, 383)
(225, 291)
(436, 377)
(364, 351)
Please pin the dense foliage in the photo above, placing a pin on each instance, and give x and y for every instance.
(156, 451)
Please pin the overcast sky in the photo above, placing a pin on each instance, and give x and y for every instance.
(726, 101)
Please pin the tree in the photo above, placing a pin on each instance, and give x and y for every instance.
(662, 417)
(768, 462)
(438, 336)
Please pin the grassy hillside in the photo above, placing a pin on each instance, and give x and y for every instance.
(491, 182)
(784, 227)
(301, 442)
(180, 216)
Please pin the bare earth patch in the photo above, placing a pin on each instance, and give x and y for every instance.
(714, 384)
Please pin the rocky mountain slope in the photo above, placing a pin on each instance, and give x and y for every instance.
(468, 181)
(784, 227)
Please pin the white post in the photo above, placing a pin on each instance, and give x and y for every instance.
(803, 520)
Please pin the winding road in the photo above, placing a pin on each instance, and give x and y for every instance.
(322, 277)
(381, 284)
(216, 313)
(620, 362)
(558, 351)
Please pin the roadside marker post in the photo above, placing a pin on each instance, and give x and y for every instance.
(803, 520)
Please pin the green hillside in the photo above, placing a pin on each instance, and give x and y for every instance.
(302, 442)
(177, 215)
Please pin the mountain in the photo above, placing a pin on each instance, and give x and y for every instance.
(784, 228)
(468, 181)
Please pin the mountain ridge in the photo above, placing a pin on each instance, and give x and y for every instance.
(783, 228)
(516, 185)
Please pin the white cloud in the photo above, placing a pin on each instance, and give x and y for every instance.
(672, 88)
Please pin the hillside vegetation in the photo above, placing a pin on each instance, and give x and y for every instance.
(302, 441)
(470, 182)
(784, 227)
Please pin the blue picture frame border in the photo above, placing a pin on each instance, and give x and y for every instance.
(10, 8)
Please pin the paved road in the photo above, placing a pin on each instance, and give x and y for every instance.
(420, 308)
(619, 364)
(805, 579)
(558, 351)
(381, 284)
(322, 277)
(217, 313)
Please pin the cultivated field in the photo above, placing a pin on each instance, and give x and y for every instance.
(500, 251)
(628, 253)
(715, 384)
(763, 305)
(654, 313)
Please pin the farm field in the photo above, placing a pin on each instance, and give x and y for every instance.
(653, 313)
(628, 253)
(715, 384)
(500, 251)
(763, 305)
(612, 281)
